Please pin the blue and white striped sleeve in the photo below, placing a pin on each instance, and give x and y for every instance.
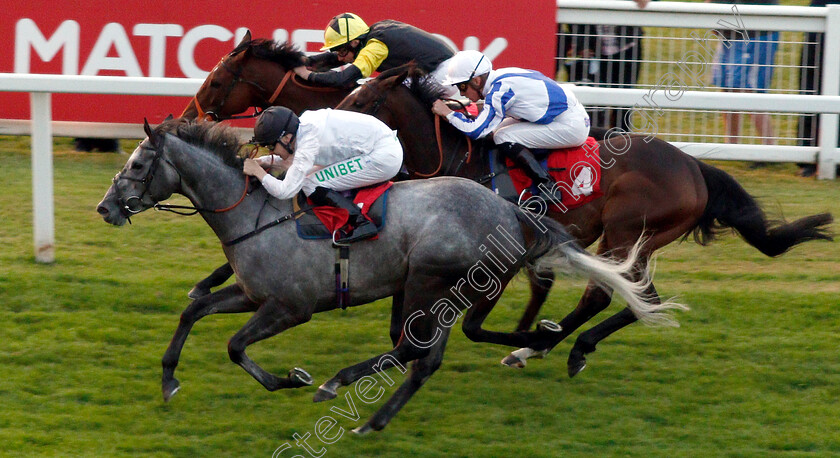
(495, 106)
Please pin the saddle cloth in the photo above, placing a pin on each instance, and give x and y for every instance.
(321, 222)
(576, 170)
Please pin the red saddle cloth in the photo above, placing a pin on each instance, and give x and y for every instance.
(336, 218)
(576, 170)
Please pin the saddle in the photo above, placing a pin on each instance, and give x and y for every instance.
(316, 223)
(576, 171)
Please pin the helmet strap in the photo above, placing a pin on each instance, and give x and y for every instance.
(285, 130)
(288, 146)
(477, 86)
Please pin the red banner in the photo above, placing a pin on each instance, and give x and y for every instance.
(183, 39)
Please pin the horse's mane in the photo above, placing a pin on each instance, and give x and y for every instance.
(427, 90)
(285, 54)
(217, 138)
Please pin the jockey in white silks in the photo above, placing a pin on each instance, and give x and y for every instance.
(324, 152)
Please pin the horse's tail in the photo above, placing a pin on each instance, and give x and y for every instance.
(550, 246)
(730, 206)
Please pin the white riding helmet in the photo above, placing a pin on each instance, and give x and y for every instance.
(465, 65)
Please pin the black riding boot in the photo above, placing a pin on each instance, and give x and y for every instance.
(524, 159)
(364, 229)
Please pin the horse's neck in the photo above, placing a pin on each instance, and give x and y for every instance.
(299, 97)
(210, 184)
(425, 153)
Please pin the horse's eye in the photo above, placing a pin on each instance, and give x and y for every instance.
(136, 166)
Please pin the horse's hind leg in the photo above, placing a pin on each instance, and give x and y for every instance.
(479, 311)
(540, 283)
(421, 370)
(270, 319)
(417, 334)
(587, 340)
(219, 276)
(226, 300)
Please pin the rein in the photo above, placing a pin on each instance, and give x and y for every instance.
(289, 76)
(280, 87)
(169, 207)
(258, 230)
(466, 159)
(175, 208)
(380, 100)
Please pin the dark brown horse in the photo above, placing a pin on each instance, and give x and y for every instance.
(651, 189)
(258, 73)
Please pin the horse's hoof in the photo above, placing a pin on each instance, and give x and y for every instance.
(362, 430)
(548, 326)
(197, 293)
(300, 377)
(576, 366)
(170, 388)
(324, 393)
(514, 361)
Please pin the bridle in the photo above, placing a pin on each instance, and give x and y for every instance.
(127, 212)
(146, 181)
(237, 78)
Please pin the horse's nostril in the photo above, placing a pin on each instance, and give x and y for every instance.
(102, 210)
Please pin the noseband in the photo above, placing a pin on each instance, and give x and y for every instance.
(126, 210)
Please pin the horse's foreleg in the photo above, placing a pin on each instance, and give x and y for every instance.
(417, 329)
(397, 317)
(540, 283)
(218, 277)
(270, 319)
(421, 370)
(227, 300)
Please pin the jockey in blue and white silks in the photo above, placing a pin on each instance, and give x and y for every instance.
(522, 109)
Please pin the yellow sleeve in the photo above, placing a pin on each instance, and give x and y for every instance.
(371, 57)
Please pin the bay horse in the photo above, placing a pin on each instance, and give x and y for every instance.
(284, 280)
(651, 190)
(258, 73)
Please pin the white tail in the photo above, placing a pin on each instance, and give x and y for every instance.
(613, 274)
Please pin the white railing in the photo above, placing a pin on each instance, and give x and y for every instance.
(40, 87)
(697, 17)
(657, 14)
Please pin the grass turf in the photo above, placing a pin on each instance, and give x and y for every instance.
(753, 371)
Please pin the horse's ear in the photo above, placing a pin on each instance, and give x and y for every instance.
(396, 80)
(153, 137)
(169, 118)
(245, 38)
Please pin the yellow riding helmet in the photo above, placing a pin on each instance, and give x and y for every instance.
(343, 29)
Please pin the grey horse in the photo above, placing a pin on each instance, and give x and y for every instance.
(448, 250)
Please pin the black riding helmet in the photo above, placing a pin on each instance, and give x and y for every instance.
(274, 123)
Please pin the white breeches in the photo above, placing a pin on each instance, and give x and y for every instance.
(570, 128)
(379, 165)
